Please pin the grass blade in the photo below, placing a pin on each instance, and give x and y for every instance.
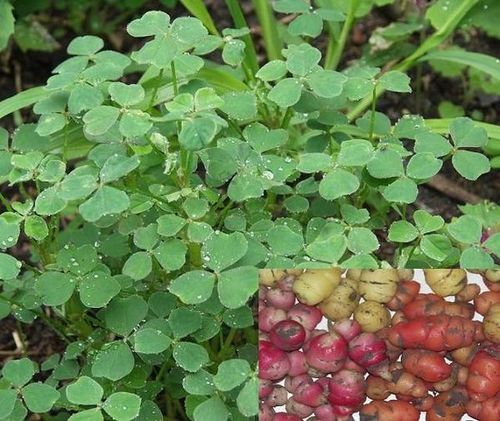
(482, 62)
(21, 100)
(336, 46)
(435, 40)
(240, 22)
(198, 9)
(269, 27)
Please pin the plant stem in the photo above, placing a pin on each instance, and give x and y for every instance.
(157, 85)
(286, 118)
(336, 48)
(372, 115)
(227, 343)
(174, 78)
(5, 202)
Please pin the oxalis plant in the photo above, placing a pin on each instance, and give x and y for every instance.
(148, 208)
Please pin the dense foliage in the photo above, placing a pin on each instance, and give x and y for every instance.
(149, 206)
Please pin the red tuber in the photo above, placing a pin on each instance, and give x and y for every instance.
(287, 335)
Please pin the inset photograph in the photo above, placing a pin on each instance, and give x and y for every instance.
(379, 345)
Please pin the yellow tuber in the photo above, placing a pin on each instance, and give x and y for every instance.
(378, 285)
(270, 277)
(342, 302)
(491, 324)
(313, 286)
(446, 282)
(405, 274)
(372, 316)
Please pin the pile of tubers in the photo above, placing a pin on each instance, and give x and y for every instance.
(390, 352)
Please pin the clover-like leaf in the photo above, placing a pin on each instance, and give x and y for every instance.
(436, 246)
(326, 83)
(307, 24)
(122, 406)
(402, 232)
(97, 289)
(55, 288)
(36, 228)
(302, 59)
(262, 139)
(314, 162)
(138, 266)
(85, 45)
(231, 373)
(403, 190)
(114, 361)
(432, 143)
(492, 244)
(190, 356)
(330, 249)
(223, 250)
(100, 119)
(124, 314)
(286, 92)
(426, 222)
(126, 95)
(105, 201)
(40, 397)
(466, 135)
(8, 399)
(151, 341)
(284, 241)
(423, 165)
(212, 409)
(476, 258)
(466, 229)
(338, 183)
(197, 133)
(151, 23)
(9, 267)
(18, 372)
(271, 71)
(193, 287)
(361, 240)
(355, 153)
(171, 254)
(85, 391)
(246, 400)
(169, 225)
(470, 165)
(199, 383)
(395, 81)
(236, 286)
(93, 414)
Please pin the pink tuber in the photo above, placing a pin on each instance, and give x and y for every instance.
(307, 316)
(347, 388)
(348, 329)
(300, 410)
(269, 316)
(277, 397)
(281, 416)
(369, 351)
(273, 362)
(298, 363)
(327, 352)
(310, 394)
(278, 298)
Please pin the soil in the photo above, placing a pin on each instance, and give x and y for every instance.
(20, 71)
